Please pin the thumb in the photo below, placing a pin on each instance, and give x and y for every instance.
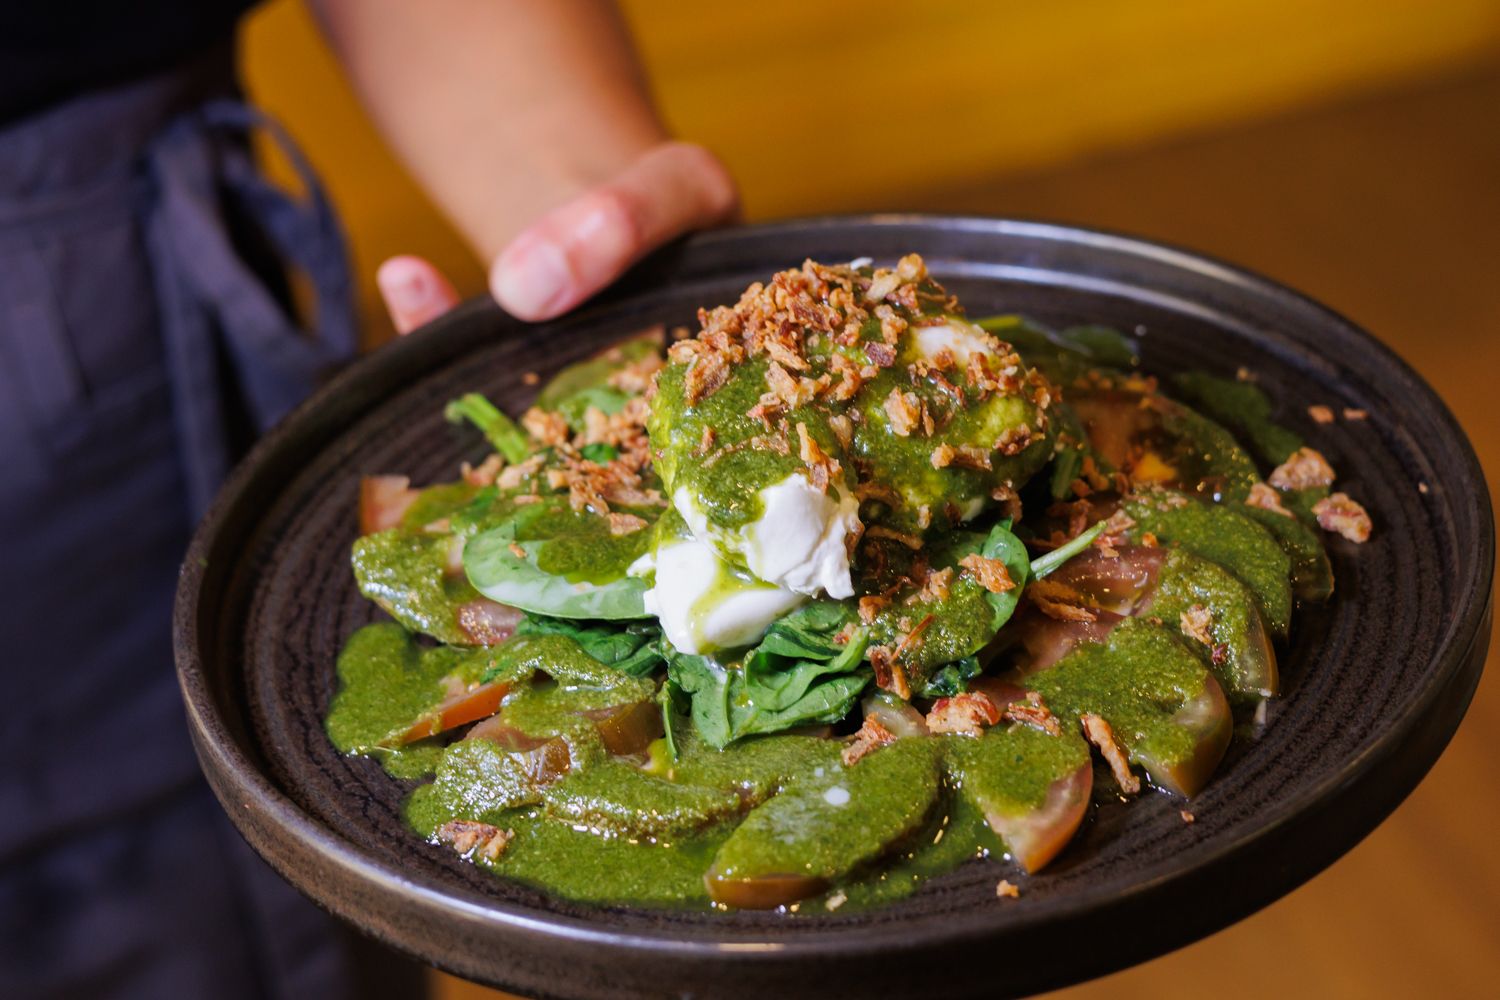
(577, 249)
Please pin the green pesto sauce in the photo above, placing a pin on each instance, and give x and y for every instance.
(1247, 669)
(387, 681)
(406, 573)
(1010, 769)
(1243, 408)
(476, 779)
(577, 545)
(1222, 535)
(1214, 454)
(1312, 573)
(962, 624)
(617, 798)
(955, 833)
(727, 487)
(906, 462)
(583, 866)
(436, 502)
(1138, 679)
(754, 768)
(826, 825)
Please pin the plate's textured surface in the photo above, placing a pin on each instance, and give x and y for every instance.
(1376, 682)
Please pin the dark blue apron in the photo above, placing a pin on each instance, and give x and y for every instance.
(144, 341)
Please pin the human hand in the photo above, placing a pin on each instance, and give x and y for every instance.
(577, 249)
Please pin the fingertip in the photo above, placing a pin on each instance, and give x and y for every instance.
(414, 291)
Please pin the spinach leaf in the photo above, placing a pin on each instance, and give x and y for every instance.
(808, 631)
(769, 691)
(634, 649)
(502, 432)
(952, 678)
(1002, 544)
(506, 570)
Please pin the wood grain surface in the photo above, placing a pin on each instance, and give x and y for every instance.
(1387, 209)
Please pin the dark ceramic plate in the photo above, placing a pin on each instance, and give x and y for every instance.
(1376, 682)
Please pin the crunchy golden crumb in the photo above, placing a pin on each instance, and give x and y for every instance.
(836, 900)
(1032, 712)
(1352, 413)
(547, 427)
(1266, 498)
(1195, 623)
(1005, 890)
(1321, 414)
(991, 574)
(624, 524)
(1187, 817)
(516, 550)
(904, 410)
(466, 835)
(1337, 512)
(889, 674)
(967, 714)
(1421, 487)
(1244, 374)
(871, 737)
(531, 378)
(1304, 469)
(1102, 735)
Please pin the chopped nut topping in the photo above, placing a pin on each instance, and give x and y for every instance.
(1337, 512)
(881, 355)
(904, 410)
(485, 472)
(1014, 440)
(1321, 414)
(889, 674)
(1102, 735)
(547, 427)
(1032, 712)
(991, 574)
(967, 714)
(624, 524)
(871, 736)
(636, 376)
(1266, 498)
(935, 586)
(965, 456)
(1195, 623)
(1305, 469)
(466, 835)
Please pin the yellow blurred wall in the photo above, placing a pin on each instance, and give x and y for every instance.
(843, 105)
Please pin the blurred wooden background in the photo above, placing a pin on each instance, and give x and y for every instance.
(1351, 149)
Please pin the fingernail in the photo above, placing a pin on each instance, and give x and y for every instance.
(533, 279)
(404, 285)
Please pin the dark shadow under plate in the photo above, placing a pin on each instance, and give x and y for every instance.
(1377, 681)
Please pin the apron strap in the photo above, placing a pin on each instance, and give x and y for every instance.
(220, 323)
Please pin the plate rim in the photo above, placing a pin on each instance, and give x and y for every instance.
(1461, 645)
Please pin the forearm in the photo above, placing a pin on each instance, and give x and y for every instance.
(503, 109)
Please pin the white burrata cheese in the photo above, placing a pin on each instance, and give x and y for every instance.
(958, 337)
(798, 542)
(702, 603)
